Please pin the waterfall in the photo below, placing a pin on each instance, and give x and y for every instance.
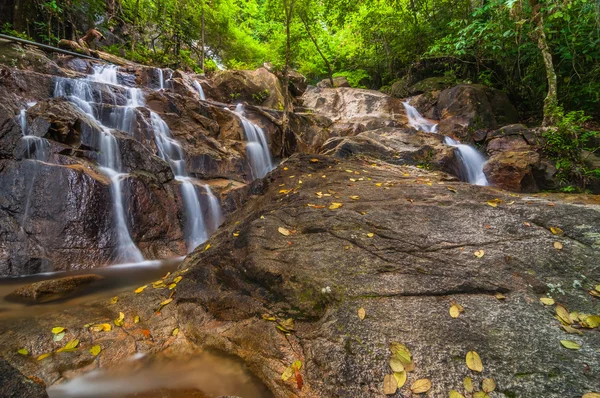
(81, 93)
(198, 87)
(257, 148)
(162, 82)
(471, 160)
(196, 230)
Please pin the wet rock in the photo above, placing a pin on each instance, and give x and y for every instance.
(26, 58)
(468, 107)
(513, 171)
(258, 87)
(13, 384)
(339, 81)
(53, 289)
(298, 83)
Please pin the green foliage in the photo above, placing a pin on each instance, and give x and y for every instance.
(357, 78)
(7, 29)
(565, 144)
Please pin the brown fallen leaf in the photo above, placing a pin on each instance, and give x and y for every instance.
(488, 385)
(455, 394)
(420, 386)
(361, 313)
(591, 395)
(500, 296)
(547, 300)
(390, 385)
(456, 310)
(563, 315)
(335, 205)
(284, 231)
(479, 253)
(558, 245)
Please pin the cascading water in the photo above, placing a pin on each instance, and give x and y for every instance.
(471, 160)
(257, 148)
(162, 82)
(198, 87)
(196, 229)
(81, 93)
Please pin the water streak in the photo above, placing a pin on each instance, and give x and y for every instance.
(257, 147)
(471, 160)
(198, 87)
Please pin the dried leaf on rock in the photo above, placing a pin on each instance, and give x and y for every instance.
(95, 350)
(284, 231)
(456, 310)
(370, 234)
(488, 385)
(120, 320)
(399, 351)
(479, 253)
(101, 327)
(114, 300)
(57, 330)
(396, 365)
(175, 332)
(591, 395)
(547, 300)
(571, 345)
(570, 329)
(500, 296)
(70, 346)
(474, 361)
(177, 279)
(287, 373)
(557, 231)
(390, 385)
(43, 356)
(452, 189)
(140, 289)
(361, 313)
(468, 384)
(58, 336)
(23, 351)
(163, 303)
(335, 205)
(563, 315)
(172, 286)
(421, 386)
(207, 247)
(455, 394)
(480, 394)
(558, 245)
(136, 319)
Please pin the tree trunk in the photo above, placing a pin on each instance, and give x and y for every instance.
(329, 71)
(202, 39)
(289, 8)
(551, 100)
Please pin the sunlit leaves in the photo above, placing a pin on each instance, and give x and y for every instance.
(473, 361)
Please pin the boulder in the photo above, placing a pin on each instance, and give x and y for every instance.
(257, 87)
(14, 384)
(339, 81)
(53, 289)
(399, 88)
(515, 162)
(468, 107)
(354, 110)
(298, 83)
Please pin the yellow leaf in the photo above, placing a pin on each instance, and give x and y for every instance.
(370, 234)
(167, 301)
(120, 320)
(488, 385)
(492, 203)
(500, 296)
(95, 350)
(101, 327)
(172, 286)
(43, 356)
(563, 314)
(207, 247)
(335, 205)
(479, 253)
(283, 231)
(571, 345)
(396, 365)
(591, 395)
(594, 293)
(175, 332)
(570, 329)
(236, 234)
(456, 394)
(136, 319)
(361, 313)
(314, 160)
(390, 385)
(70, 346)
(166, 275)
(355, 197)
(468, 384)
(474, 362)
(558, 245)
(287, 373)
(455, 310)
(378, 184)
(140, 289)
(557, 231)
(452, 189)
(114, 300)
(591, 322)
(349, 171)
(480, 394)
(400, 378)
(177, 279)
(547, 300)
(420, 386)
(57, 330)
(23, 351)
(400, 352)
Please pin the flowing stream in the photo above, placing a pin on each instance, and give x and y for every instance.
(471, 159)
(257, 147)
(198, 87)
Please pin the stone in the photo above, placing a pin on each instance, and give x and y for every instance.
(13, 384)
(513, 171)
(339, 81)
(53, 289)
(468, 107)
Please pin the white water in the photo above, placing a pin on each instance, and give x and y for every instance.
(81, 93)
(472, 161)
(196, 230)
(198, 87)
(257, 148)
(162, 82)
